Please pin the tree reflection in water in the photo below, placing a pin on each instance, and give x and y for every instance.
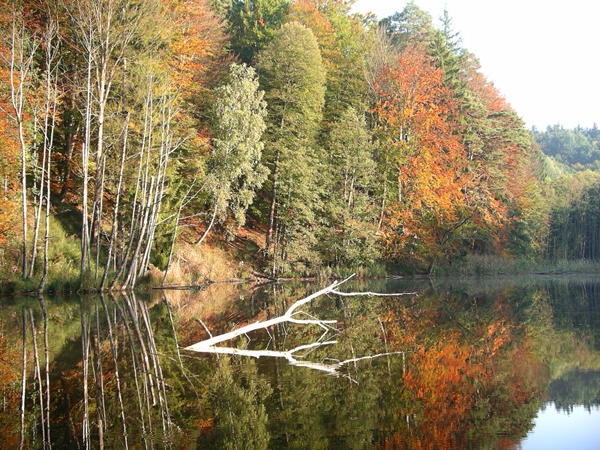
(109, 372)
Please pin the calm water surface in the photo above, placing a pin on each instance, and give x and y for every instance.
(488, 363)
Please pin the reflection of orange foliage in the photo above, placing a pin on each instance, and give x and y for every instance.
(9, 381)
(497, 335)
(206, 425)
(443, 380)
(462, 381)
(404, 327)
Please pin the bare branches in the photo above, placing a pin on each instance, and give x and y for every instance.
(209, 345)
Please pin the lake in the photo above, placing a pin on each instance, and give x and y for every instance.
(474, 363)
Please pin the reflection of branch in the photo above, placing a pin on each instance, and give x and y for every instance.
(289, 355)
(287, 317)
(370, 294)
(209, 345)
(331, 369)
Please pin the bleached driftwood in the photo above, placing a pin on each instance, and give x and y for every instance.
(291, 316)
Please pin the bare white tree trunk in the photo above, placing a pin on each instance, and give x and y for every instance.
(47, 369)
(85, 349)
(39, 201)
(85, 237)
(105, 32)
(134, 210)
(52, 45)
(113, 351)
(114, 226)
(38, 375)
(23, 380)
(210, 224)
(22, 52)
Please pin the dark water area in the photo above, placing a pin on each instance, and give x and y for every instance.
(479, 363)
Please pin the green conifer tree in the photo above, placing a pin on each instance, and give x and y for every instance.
(293, 78)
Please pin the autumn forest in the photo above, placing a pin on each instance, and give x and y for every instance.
(267, 224)
(154, 141)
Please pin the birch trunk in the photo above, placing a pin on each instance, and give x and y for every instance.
(49, 149)
(114, 226)
(85, 163)
(23, 379)
(210, 224)
(38, 375)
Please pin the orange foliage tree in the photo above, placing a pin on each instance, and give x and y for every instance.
(8, 168)
(9, 148)
(198, 61)
(505, 168)
(197, 40)
(417, 115)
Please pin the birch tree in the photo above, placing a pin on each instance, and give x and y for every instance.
(20, 61)
(235, 170)
(103, 29)
(31, 64)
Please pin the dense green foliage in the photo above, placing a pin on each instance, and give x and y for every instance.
(234, 168)
(293, 78)
(350, 239)
(575, 226)
(252, 24)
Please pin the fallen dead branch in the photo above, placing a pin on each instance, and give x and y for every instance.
(293, 315)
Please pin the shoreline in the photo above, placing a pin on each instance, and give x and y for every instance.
(259, 281)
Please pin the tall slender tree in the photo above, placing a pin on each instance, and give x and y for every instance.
(293, 77)
(349, 239)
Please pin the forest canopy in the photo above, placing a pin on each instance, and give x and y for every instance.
(316, 138)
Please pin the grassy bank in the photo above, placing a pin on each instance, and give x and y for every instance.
(63, 264)
(191, 265)
(479, 265)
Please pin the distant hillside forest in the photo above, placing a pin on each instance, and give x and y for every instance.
(578, 148)
(299, 136)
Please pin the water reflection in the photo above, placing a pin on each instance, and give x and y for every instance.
(463, 364)
(575, 388)
(556, 429)
(296, 314)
